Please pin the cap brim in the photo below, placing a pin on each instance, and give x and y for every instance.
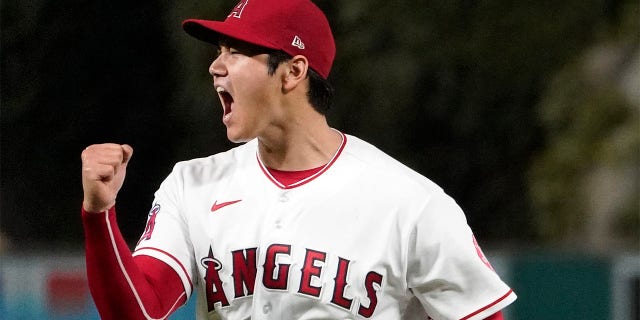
(202, 29)
(210, 31)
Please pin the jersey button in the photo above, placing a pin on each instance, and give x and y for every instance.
(266, 308)
(284, 197)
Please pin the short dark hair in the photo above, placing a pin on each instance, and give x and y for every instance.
(320, 90)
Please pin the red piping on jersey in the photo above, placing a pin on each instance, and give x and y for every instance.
(172, 258)
(304, 181)
(488, 306)
(128, 279)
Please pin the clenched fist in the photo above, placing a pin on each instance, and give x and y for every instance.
(103, 170)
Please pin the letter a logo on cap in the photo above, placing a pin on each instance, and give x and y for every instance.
(237, 10)
(297, 42)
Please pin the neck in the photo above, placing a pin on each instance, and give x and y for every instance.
(299, 147)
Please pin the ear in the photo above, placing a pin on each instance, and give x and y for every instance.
(296, 72)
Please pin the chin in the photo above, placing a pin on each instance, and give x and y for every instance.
(238, 138)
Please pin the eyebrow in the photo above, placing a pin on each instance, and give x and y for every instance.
(223, 41)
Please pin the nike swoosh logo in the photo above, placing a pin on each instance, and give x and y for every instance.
(216, 206)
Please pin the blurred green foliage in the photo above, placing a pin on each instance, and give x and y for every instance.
(592, 125)
(452, 88)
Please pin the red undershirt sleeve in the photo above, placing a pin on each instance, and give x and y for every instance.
(124, 287)
(495, 316)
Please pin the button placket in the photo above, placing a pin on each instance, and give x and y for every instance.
(279, 218)
(284, 196)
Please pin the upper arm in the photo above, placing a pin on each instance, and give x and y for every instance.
(446, 270)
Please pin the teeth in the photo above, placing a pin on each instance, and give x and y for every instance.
(220, 89)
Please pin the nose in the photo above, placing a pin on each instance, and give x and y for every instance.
(217, 68)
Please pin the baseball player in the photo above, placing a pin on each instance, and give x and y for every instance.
(300, 221)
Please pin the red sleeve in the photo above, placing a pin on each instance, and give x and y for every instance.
(495, 316)
(124, 287)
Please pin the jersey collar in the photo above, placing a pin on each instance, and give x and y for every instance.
(308, 179)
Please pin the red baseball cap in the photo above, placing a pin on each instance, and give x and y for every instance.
(297, 27)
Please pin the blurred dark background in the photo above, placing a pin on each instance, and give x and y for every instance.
(525, 112)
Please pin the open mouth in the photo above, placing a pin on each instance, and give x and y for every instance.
(227, 101)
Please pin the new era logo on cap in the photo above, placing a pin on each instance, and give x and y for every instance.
(297, 43)
(297, 27)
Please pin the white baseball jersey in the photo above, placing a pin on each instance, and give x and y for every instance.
(364, 238)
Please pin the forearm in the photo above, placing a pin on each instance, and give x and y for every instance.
(123, 287)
